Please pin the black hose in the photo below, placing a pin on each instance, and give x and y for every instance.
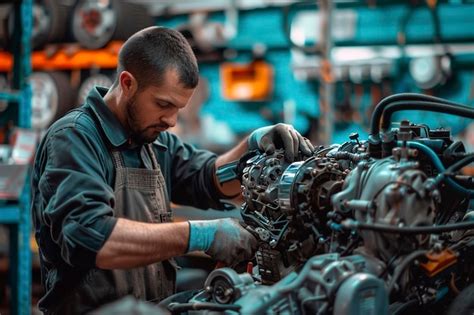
(461, 163)
(183, 307)
(385, 228)
(407, 260)
(456, 166)
(459, 110)
(440, 167)
(379, 109)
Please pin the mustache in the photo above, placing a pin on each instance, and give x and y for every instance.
(161, 126)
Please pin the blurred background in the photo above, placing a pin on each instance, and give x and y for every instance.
(319, 65)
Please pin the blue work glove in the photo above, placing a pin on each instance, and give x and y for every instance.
(280, 136)
(224, 240)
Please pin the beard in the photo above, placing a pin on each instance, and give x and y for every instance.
(138, 134)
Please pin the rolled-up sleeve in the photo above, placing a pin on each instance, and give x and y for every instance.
(192, 175)
(78, 211)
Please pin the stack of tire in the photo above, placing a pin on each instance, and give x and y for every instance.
(90, 23)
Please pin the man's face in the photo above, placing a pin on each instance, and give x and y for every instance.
(155, 108)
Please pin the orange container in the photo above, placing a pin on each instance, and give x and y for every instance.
(247, 82)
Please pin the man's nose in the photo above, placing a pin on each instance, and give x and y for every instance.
(171, 120)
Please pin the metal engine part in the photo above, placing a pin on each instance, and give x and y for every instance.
(305, 191)
(287, 206)
(225, 286)
(367, 227)
(301, 210)
(261, 210)
(389, 192)
(260, 184)
(322, 280)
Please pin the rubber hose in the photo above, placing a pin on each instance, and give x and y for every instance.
(379, 109)
(183, 307)
(440, 167)
(402, 266)
(458, 110)
(385, 228)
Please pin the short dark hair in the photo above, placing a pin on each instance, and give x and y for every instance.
(150, 52)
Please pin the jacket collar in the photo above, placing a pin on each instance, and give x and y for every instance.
(111, 126)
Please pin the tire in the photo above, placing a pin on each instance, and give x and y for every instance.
(52, 97)
(94, 25)
(60, 14)
(89, 83)
(49, 18)
(132, 17)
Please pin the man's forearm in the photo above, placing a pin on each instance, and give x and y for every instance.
(133, 244)
(231, 188)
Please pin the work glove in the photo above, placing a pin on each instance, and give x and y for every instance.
(225, 240)
(280, 136)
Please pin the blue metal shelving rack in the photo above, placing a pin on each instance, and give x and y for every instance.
(16, 215)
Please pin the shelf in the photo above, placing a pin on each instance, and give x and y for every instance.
(9, 214)
(16, 214)
(68, 57)
(10, 96)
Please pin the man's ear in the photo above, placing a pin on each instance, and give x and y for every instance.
(128, 83)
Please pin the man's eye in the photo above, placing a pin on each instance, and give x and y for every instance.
(163, 105)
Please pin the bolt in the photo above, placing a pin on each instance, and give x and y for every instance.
(437, 247)
(355, 136)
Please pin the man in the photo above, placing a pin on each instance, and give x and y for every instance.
(105, 173)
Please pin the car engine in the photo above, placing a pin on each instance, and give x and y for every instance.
(377, 226)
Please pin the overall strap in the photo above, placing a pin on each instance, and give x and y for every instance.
(117, 159)
(151, 153)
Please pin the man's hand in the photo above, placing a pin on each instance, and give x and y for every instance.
(223, 239)
(284, 136)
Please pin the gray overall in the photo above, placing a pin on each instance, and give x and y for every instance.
(140, 195)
